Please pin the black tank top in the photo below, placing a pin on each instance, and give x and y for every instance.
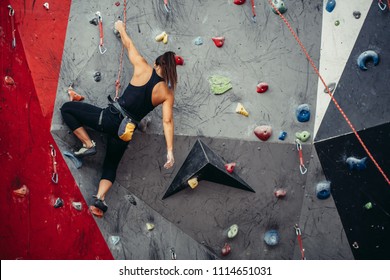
(137, 100)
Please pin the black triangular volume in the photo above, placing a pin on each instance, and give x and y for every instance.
(204, 164)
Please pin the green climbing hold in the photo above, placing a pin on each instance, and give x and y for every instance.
(279, 4)
(368, 205)
(232, 231)
(219, 84)
(337, 23)
(303, 136)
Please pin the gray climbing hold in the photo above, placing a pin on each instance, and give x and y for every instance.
(59, 203)
(198, 41)
(272, 237)
(331, 87)
(77, 205)
(114, 240)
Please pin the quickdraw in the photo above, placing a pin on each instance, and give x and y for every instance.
(382, 5)
(11, 13)
(299, 237)
(166, 6)
(253, 10)
(102, 49)
(54, 176)
(302, 167)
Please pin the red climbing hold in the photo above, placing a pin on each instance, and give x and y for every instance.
(239, 2)
(21, 192)
(9, 81)
(219, 41)
(179, 60)
(263, 132)
(117, 3)
(226, 250)
(262, 87)
(230, 167)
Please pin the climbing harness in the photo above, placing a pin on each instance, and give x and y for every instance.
(54, 176)
(302, 167)
(166, 6)
(253, 11)
(329, 92)
(11, 13)
(118, 78)
(299, 237)
(102, 49)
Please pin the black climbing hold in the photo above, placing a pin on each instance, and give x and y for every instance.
(97, 76)
(204, 164)
(94, 21)
(357, 14)
(59, 203)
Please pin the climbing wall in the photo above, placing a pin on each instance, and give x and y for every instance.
(361, 196)
(350, 221)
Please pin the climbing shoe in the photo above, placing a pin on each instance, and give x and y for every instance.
(84, 151)
(100, 204)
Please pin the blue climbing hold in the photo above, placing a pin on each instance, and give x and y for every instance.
(366, 56)
(303, 113)
(272, 237)
(330, 5)
(355, 163)
(76, 161)
(323, 190)
(282, 135)
(198, 41)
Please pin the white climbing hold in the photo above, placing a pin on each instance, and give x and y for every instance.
(46, 5)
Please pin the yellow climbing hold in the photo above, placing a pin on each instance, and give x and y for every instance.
(161, 37)
(149, 226)
(165, 39)
(241, 110)
(193, 182)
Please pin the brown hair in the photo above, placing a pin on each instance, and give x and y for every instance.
(168, 64)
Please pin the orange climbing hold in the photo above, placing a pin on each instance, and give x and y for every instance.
(74, 96)
(21, 192)
(230, 167)
(218, 41)
(96, 211)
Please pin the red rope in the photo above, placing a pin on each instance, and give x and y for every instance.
(330, 93)
(118, 79)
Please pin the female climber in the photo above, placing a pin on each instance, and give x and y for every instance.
(149, 87)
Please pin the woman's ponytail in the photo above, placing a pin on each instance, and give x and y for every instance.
(167, 63)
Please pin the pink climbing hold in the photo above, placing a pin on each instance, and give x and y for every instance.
(9, 81)
(226, 250)
(262, 87)
(239, 2)
(117, 3)
(280, 193)
(263, 132)
(230, 167)
(219, 41)
(179, 60)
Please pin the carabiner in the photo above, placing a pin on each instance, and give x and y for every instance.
(54, 178)
(381, 5)
(102, 49)
(303, 169)
(297, 230)
(52, 151)
(11, 12)
(173, 254)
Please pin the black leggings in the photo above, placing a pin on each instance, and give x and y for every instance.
(78, 114)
